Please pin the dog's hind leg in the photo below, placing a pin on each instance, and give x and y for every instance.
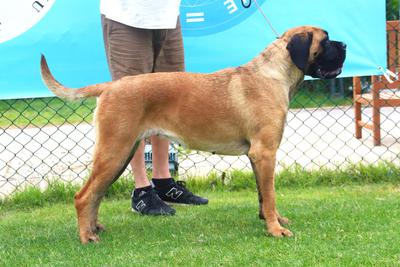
(111, 156)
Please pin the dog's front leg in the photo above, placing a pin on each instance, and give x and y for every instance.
(263, 158)
(281, 220)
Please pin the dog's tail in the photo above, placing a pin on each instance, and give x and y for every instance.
(63, 92)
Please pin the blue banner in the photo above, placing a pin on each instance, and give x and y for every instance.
(217, 34)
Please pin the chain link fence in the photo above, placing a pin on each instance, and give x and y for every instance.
(47, 138)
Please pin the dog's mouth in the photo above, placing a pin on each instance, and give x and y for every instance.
(328, 74)
(322, 72)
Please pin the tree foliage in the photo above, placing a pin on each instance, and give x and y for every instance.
(392, 9)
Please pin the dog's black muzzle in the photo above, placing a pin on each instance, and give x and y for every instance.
(329, 63)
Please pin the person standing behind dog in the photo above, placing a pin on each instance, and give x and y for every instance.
(144, 37)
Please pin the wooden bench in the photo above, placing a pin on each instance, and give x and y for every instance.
(383, 93)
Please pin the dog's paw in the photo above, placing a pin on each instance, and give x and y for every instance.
(283, 221)
(89, 237)
(279, 232)
(99, 228)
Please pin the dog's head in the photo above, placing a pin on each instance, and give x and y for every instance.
(312, 52)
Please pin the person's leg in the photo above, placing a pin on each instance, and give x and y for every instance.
(139, 168)
(159, 145)
(129, 52)
(160, 149)
(170, 59)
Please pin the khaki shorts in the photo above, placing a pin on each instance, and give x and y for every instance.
(132, 51)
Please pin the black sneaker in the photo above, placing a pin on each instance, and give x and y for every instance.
(177, 193)
(149, 203)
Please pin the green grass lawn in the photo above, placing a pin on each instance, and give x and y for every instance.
(307, 99)
(44, 111)
(351, 225)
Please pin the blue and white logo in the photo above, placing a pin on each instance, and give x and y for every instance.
(18, 16)
(204, 17)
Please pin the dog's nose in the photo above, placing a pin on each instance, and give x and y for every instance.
(344, 45)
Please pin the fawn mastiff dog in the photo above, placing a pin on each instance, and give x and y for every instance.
(234, 111)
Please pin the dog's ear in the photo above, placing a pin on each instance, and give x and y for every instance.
(299, 49)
